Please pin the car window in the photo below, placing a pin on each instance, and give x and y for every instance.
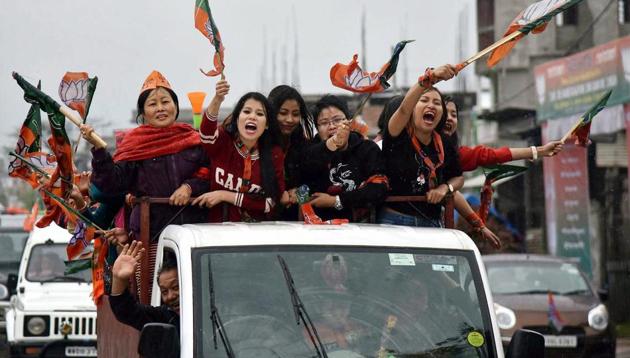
(11, 246)
(536, 277)
(361, 302)
(46, 264)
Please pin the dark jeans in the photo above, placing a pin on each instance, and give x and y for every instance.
(389, 217)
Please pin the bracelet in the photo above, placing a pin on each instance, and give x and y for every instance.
(427, 80)
(534, 152)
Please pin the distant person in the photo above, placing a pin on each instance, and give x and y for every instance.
(126, 309)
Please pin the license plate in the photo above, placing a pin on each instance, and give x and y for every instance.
(561, 341)
(79, 351)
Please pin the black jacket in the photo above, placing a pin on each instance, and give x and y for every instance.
(128, 311)
(343, 173)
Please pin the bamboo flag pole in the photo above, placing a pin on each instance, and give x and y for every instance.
(68, 113)
(487, 50)
(570, 132)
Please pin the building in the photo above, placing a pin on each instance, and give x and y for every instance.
(576, 203)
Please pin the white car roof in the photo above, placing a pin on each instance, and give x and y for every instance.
(295, 233)
(52, 232)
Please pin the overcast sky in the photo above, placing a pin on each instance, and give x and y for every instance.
(122, 41)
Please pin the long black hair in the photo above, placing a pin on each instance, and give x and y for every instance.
(142, 99)
(388, 111)
(306, 128)
(448, 99)
(266, 142)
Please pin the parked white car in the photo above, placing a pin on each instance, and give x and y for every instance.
(47, 305)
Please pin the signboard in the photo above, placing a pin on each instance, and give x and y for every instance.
(570, 85)
(567, 203)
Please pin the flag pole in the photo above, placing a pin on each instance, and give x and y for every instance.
(570, 132)
(67, 112)
(361, 105)
(487, 50)
(71, 209)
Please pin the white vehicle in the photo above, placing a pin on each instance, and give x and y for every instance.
(49, 306)
(357, 290)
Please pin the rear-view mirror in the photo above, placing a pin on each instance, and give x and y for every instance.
(526, 344)
(159, 340)
(12, 280)
(603, 294)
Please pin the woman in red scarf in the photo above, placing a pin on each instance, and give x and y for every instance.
(247, 167)
(160, 158)
(419, 160)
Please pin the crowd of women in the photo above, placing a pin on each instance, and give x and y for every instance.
(272, 153)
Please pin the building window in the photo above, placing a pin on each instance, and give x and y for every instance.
(568, 17)
(624, 11)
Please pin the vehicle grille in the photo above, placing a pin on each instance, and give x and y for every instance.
(82, 325)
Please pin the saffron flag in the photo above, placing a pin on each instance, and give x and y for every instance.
(533, 19)
(555, 320)
(29, 221)
(80, 241)
(497, 172)
(206, 25)
(101, 247)
(29, 146)
(352, 78)
(583, 128)
(76, 90)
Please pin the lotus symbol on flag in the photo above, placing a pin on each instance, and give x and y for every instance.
(358, 79)
(209, 33)
(73, 91)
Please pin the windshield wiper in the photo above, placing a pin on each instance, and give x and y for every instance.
(300, 311)
(64, 278)
(217, 324)
(533, 292)
(574, 292)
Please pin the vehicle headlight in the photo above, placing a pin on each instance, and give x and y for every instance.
(4, 292)
(598, 317)
(506, 319)
(36, 326)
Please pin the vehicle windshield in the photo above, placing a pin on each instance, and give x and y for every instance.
(515, 278)
(11, 246)
(363, 302)
(46, 264)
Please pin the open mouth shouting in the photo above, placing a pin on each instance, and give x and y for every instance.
(251, 128)
(429, 117)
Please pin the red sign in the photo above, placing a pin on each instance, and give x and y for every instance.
(567, 203)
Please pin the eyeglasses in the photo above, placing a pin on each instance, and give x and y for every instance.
(335, 121)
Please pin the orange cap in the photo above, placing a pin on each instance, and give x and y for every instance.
(154, 81)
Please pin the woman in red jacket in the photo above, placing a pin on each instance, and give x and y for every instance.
(471, 158)
(246, 161)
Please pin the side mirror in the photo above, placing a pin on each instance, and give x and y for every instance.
(159, 340)
(603, 294)
(12, 280)
(526, 343)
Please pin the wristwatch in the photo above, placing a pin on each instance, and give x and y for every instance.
(338, 205)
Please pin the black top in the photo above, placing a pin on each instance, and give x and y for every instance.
(343, 172)
(128, 311)
(409, 175)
